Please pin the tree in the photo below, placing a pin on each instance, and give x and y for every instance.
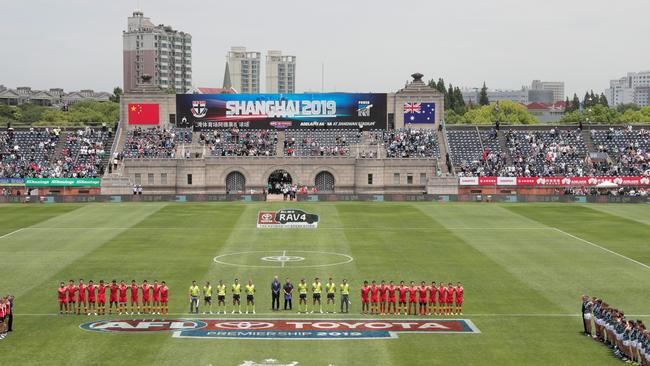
(459, 102)
(568, 108)
(117, 93)
(483, 98)
(603, 100)
(597, 114)
(509, 112)
(622, 108)
(575, 103)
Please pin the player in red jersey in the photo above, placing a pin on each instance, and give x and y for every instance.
(450, 298)
(402, 298)
(156, 297)
(92, 308)
(122, 290)
(72, 299)
(112, 300)
(422, 290)
(442, 299)
(459, 298)
(82, 297)
(374, 298)
(365, 300)
(63, 306)
(146, 302)
(135, 297)
(433, 292)
(164, 298)
(413, 298)
(101, 297)
(391, 298)
(382, 297)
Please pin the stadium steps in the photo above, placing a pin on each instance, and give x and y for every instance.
(58, 150)
(279, 148)
(442, 145)
(503, 145)
(586, 137)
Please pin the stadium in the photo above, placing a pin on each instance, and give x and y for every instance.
(316, 228)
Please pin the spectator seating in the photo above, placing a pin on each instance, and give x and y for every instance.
(628, 150)
(236, 142)
(150, 143)
(411, 143)
(26, 153)
(547, 152)
(324, 142)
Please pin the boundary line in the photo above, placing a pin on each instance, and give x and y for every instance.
(283, 315)
(603, 248)
(11, 233)
(320, 228)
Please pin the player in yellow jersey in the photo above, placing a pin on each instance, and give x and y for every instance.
(302, 291)
(250, 296)
(330, 288)
(207, 297)
(317, 291)
(221, 297)
(236, 293)
(345, 296)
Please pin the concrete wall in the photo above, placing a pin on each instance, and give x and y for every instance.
(350, 174)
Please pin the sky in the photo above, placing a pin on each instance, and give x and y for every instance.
(365, 46)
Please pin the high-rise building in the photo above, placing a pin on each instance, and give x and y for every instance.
(244, 69)
(633, 88)
(159, 51)
(557, 87)
(280, 73)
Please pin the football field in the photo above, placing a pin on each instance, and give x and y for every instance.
(523, 267)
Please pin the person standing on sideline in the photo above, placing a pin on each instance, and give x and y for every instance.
(288, 289)
(194, 297)
(345, 296)
(275, 294)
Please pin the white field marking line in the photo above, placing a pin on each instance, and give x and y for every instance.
(602, 248)
(320, 228)
(11, 233)
(284, 255)
(316, 316)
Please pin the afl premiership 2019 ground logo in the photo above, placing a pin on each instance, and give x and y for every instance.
(287, 218)
(283, 328)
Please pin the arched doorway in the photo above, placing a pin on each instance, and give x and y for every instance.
(235, 182)
(324, 182)
(277, 179)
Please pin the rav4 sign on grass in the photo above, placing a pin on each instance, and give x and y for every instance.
(287, 218)
(284, 328)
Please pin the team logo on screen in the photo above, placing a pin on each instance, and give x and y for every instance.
(199, 109)
(363, 108)
(287, 218)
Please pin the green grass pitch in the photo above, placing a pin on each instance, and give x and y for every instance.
(523, 266)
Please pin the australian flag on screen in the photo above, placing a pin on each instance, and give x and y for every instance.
(419, 113)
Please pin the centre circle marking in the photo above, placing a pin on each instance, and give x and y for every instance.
(283, 258)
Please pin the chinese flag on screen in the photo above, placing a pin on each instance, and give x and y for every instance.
(144, 114)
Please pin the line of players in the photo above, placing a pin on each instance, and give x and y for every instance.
(441, 299)
(91, 298)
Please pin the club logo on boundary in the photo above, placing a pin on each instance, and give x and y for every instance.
(283, 328)
(287, 218)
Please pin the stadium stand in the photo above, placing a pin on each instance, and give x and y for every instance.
(26, 153)
(411, 143)
(84, 154)
(476, 152)
(235, 142)
(328, 142)
(150, 143)
(628, 151)
(546, 153)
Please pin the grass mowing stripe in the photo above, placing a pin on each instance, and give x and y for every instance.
(602, 248)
